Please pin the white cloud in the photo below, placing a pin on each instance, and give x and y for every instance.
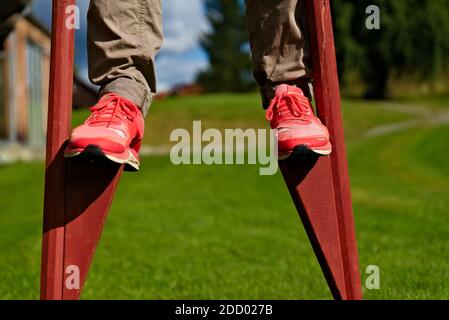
(180, 58)
(184, 22)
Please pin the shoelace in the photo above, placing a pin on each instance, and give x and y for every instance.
(111, 109)
(289, 106)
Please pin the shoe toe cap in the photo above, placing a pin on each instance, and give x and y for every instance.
(103, 138)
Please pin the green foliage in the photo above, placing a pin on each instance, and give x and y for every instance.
(226, 46)
(413, 40)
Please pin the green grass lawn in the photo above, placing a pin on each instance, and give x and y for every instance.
(224, 232)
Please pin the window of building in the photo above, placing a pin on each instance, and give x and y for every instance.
(35, 93)
(3, 97)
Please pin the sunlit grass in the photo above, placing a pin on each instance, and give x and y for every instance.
(222, 232)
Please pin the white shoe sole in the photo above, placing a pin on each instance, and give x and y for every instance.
(131, 163)
(304, 151)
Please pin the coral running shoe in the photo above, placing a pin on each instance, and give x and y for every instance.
(114, 130)
(299, 131)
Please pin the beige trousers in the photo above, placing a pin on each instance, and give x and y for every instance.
(125, 36)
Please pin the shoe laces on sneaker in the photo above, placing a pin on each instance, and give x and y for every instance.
(289, 106)
(112, 110)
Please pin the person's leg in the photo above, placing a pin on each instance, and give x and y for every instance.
(123, 39)
(279, 45)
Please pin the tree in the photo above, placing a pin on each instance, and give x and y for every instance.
(412, 40)
(227, 49)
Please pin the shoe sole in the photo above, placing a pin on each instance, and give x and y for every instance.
(95, 153)
(303, 151)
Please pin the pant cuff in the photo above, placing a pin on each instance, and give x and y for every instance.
(268, 90)
(131, 90)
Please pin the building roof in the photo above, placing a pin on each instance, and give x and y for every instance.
(11, 11)
(37, 23)
(12, 7)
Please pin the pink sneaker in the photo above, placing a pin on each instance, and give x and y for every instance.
(299, 131)
(114, 130)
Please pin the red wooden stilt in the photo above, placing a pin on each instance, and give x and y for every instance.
(78, 194)
(321, 189)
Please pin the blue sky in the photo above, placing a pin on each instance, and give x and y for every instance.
(180, 58)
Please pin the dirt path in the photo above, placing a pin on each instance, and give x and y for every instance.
(423, 117)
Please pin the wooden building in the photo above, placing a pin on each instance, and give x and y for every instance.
(24, 84)
(24, 74)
